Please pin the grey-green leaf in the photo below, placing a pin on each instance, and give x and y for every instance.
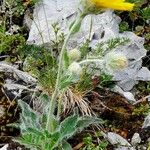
(67, 127)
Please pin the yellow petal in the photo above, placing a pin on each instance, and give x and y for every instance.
(115, 4)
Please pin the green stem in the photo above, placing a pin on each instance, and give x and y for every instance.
(95, 60)
(49, 125)
(59, 107)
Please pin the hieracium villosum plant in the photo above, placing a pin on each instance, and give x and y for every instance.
(45, 131)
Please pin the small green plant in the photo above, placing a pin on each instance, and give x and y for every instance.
(144, 87)
(138, 18)
(10, 43)
(59, 38)
(90, 145)
(18, 7)
(141, 110)
(113, 43)
(39, 62)
(123, 26)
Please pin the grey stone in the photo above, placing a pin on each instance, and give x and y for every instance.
(119, 142)
(4, 147)
(8, 68)
(136, 139)
(146, 122)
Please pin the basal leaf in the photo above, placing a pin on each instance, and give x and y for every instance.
(54, 140)
(84, 122)
(67, 127)
(29, 118)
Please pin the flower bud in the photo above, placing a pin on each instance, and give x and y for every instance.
(115, 61)
(74, 55)
(75, 68)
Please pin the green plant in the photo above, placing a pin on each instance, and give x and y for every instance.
(90, 145)
(35, 136)
(59, 38)
(18, 7)
(138, 18)
(39, 62)
(61, 75)
(144, 87)
(10, 43)
(123, 26)
(113, 43)
(141, 110)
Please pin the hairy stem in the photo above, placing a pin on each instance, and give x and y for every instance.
(49, 125)
(96, 60)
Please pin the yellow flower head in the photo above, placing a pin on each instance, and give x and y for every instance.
(97, 5)
(113, 4)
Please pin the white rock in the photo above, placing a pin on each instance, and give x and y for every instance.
(146, 122)
(8, 68)
(136, 139)
(4, 147)
(128, 95)
(47, 12)
(119, 142)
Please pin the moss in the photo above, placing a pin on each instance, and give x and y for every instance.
(11, 43)
(141, 110)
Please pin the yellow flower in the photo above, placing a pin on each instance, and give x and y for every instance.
(113, 4)
(95, 6)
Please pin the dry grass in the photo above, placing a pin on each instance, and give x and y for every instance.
(71, 99)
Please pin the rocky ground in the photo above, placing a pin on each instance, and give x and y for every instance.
(125, 122)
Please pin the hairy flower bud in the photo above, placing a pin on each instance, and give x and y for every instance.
(74, 54)
(75, 68)
(115, 61)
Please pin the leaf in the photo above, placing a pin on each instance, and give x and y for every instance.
(67, 127)
(77, 28)
(28, 117)
(44, 97)
(66, 60)
(27, 140)
(66, 145)
(84, 122)
(35, 131)
(71, 25)
(66, 81)
(54, 140)
(75, 25)
(55, 123)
